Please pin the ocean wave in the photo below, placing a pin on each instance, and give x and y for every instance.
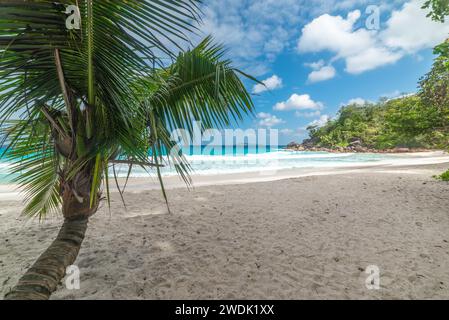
(275, 160)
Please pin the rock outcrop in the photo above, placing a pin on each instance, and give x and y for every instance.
(355, 146)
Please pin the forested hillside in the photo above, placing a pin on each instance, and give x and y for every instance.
(415, 121)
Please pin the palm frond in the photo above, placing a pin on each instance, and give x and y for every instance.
(200, 86)
(36, 165)
(82, 98)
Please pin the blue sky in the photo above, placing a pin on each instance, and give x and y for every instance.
(316, 55)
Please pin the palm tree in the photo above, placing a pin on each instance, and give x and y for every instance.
(74, 102)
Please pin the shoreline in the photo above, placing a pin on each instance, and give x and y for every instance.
(356, 147)
(405, 162)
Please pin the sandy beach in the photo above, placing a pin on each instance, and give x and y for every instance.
(304, 237)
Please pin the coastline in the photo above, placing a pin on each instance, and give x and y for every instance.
(355, 147)
(298, 238)
(404, 162)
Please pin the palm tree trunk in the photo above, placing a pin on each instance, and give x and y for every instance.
(42, 279)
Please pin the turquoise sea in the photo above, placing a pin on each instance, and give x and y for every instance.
(209, 160)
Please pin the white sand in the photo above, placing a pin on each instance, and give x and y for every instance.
(303, 238)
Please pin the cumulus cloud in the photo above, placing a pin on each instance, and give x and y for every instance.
(268, 120)
(407, 31)
(294, 133)
(359, 47)
(298, 102)
(320, 122)
(322, 74)
(370, 59)
(410, 30)
(356, 101)
(257, 31)
(334, 33)
(310, 114)
(269, 84)
(316, 65)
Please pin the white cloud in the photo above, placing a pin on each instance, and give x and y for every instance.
(286, 132)
(410, 30)
(268, 120)
(322, 74)
(370, 59)
(392, 94)
(398, 95)
(294, 133)
(359, 48)
(320, 122)
(356, 101)
(407, 31)
(336, 34)
(311, 114)
(257, 31)
(316, 65)
(298, 102)
(271, 83)
(263, 115)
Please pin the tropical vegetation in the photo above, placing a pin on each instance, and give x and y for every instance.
(420, 120)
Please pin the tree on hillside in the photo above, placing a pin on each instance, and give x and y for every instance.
(434, 92)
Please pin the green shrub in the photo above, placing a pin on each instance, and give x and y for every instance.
(444, 176)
